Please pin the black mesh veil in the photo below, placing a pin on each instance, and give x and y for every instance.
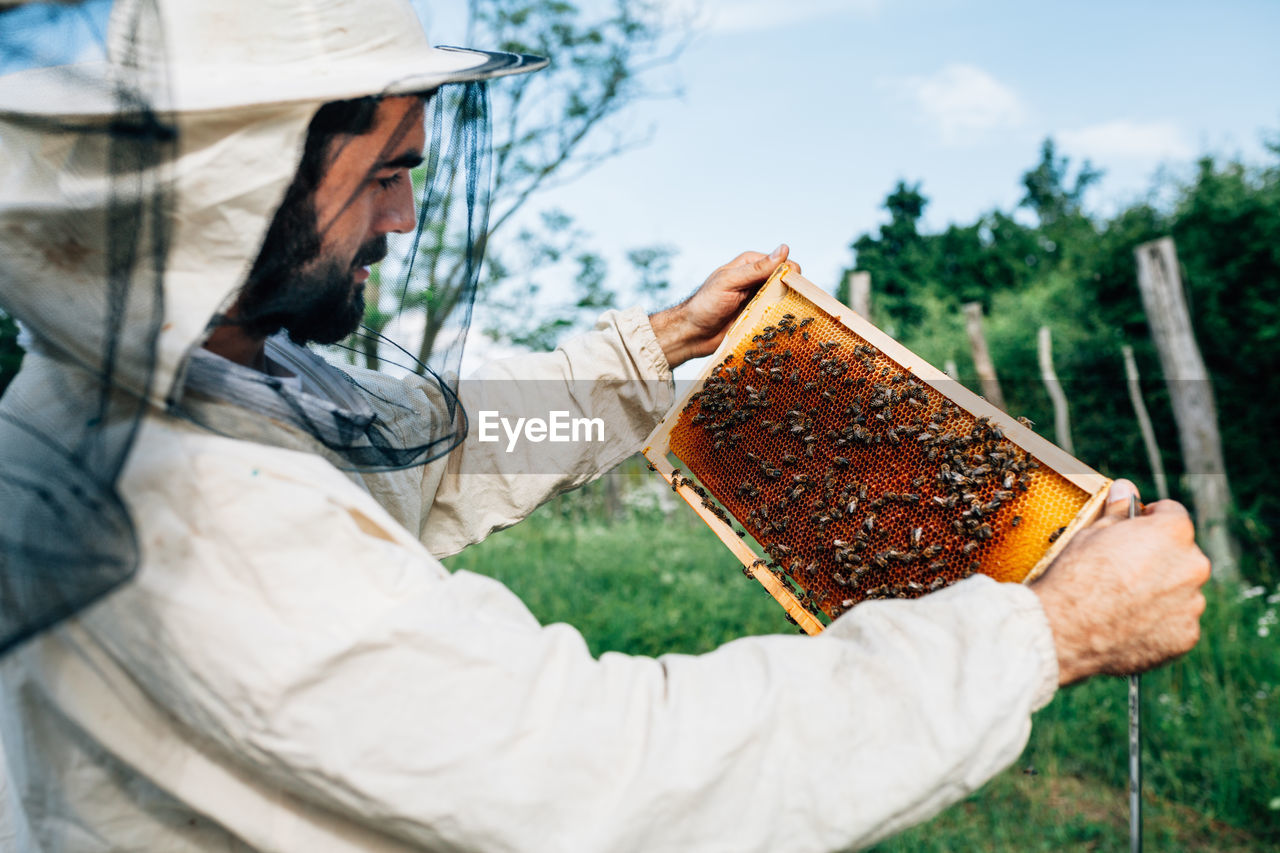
(284, 252)
(83, 227)
(417, 300)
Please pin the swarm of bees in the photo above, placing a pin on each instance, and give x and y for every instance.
(858, 480)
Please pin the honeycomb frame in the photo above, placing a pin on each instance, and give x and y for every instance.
(1045, 471)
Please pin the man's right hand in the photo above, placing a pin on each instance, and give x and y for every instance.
(1124, 596)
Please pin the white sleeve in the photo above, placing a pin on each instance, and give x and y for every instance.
(327, 653)
(614, 380)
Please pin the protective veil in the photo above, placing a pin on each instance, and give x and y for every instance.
(222, 617)
(139, 175)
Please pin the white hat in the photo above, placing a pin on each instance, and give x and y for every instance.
(237, 53)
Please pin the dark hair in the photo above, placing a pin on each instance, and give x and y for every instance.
(336, 118)
(291, 239)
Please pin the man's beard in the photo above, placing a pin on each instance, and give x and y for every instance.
(293, 287)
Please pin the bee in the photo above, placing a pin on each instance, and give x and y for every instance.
(869, 523)
(969, 547)
(938, 583)
(806, 321)
(1015, 521)
(1027, 422)
(1053, 537)
(916, 533)
(937, 566)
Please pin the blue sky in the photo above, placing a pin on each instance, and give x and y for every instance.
(797, 117)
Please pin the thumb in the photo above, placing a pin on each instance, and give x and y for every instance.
(749, 269)
(769, 262)
(1118, 500)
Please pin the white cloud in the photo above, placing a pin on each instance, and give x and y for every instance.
(725, 16)
(962, 101)
(1124, 139)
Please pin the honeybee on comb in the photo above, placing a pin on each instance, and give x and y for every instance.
(894, 482)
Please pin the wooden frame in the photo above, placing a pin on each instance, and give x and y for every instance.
(658, 445)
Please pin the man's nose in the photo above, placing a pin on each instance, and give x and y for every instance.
(398, 213)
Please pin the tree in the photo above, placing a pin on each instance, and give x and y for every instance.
(1046, 191)
(1076, 274)
(525, 317)
(550, 127)
(898, 259)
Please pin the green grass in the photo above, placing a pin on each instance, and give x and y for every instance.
(653, 582)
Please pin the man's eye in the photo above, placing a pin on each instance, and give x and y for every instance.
(388, 183)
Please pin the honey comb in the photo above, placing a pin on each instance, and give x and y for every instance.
(861, 471)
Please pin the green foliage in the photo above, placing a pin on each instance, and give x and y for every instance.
(548, 129)
(644, 585)
(1078, 277)
(1047, 194)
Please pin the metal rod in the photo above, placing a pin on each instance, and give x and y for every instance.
(1135, 744)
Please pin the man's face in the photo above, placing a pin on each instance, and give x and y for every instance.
(364, 193)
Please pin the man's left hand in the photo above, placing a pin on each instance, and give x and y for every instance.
(696, 326)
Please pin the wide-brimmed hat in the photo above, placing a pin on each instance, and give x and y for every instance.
(230, 54)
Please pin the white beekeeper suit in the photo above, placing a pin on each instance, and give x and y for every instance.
(292, 669)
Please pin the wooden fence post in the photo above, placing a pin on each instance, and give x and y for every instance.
(1144, 422)
(1061, 415)
(859, 285)
(1191, 393)
(981, 356)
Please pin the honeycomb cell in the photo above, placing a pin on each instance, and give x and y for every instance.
(859, 480)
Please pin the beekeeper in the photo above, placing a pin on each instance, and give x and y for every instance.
(223, 618)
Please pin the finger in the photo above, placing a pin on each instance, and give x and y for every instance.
(1174, 518)
(1118, 500)
(1166, 507)
(748, 274)
(745, 259)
